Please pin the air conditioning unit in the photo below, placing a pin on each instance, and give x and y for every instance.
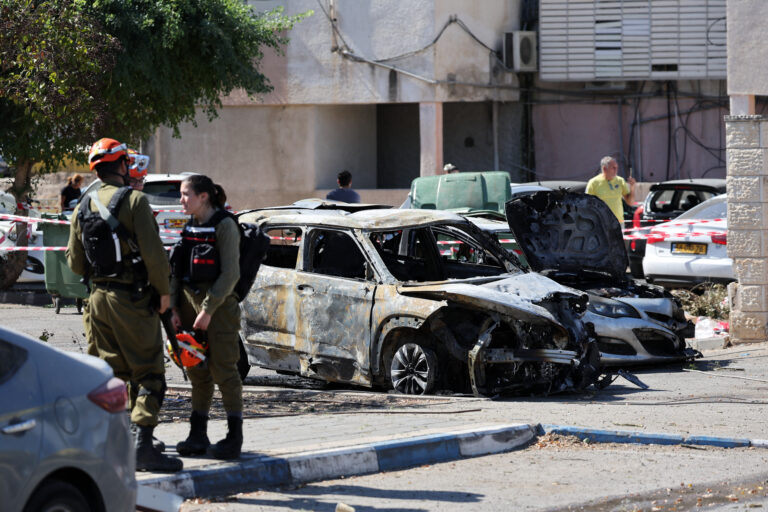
(519, 51)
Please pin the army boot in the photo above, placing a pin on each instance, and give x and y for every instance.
(197, 441)
(229, 447)
(149, 459)
(158, 444)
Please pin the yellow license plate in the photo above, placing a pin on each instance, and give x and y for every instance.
(175, 223)
(686, 248)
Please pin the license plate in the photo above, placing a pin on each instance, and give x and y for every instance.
(686, 248)
(175, 223)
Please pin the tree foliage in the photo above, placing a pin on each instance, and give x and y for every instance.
(72, 71)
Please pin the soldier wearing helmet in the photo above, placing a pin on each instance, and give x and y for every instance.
(124, 326)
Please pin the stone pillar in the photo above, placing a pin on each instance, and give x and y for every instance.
(431, 138)
(747, 149)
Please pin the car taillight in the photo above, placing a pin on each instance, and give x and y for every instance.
(720, 239)
(155, 212)
(654, 238)
(636, 217)
(110, 396)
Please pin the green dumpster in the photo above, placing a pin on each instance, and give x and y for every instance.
(60, 281)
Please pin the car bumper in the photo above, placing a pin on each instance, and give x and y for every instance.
(682, 270)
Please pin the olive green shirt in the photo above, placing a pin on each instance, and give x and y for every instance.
(136, 216)
(228, 247)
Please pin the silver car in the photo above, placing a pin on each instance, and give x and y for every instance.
(575, 240)
(65, 442)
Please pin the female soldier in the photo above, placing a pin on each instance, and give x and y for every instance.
(205, 271)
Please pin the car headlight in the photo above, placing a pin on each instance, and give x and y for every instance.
(611, 308)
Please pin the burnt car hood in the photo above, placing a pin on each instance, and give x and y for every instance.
(517, 294)
(567, 232)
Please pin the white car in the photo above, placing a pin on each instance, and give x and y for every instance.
(164, 194)
(691, 249)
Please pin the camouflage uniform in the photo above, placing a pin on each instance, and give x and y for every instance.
(125, 332)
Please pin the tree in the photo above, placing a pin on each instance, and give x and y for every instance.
(72, 71)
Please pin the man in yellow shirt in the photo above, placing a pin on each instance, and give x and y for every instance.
(612, 188)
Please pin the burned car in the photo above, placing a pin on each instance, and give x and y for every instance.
(574, 239)
(368, 299)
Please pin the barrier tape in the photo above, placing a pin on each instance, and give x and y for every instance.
(683, 223)
(31, 220)
(32, 248)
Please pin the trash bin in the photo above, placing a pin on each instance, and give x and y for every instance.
(60, 281)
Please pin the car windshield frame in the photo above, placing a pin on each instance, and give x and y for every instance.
(419, 246)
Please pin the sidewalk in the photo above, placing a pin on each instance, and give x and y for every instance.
(718, 401)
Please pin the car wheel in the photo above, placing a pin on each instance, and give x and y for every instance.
(57, 496)
(243, 366)
(413, 369)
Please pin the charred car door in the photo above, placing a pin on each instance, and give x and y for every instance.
(270, 312)
(334, 302)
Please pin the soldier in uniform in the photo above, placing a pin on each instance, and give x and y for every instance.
(203, 299)
(123, 318)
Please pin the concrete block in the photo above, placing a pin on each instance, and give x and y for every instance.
(746, 162)
(751, 298)
(745, 215)
(312, 467)
(416, 451)
(744, 134)
(484, 442)
(763, 133)
(722, 442)
(751, 270)
(748, 327)
(744, 189)
(744, 243)
(613, 436)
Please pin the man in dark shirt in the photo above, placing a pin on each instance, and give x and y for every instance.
(344, 192)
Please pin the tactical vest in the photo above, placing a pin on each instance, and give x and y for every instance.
(195, 258)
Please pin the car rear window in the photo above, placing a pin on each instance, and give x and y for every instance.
(676, 200)
(163, 192)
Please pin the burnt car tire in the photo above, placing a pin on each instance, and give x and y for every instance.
(413, 370)
(59, 496)
(243, 366)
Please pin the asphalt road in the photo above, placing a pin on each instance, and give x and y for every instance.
(552, 475)
(722, 395)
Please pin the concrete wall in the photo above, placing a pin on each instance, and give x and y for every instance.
(747, 51)
(311, 73)
(747, 218)
(571, 138)
(274, 155)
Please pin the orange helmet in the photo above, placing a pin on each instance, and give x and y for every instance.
(137, 164)
(191, 352)
(106, 150)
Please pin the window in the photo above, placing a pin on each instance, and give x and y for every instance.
(283, 248)
(11, 359)
(335, 253)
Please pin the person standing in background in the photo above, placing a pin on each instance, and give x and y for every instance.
(612, 189)
(344, 192)
(71, 191)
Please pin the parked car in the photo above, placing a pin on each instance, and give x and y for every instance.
(664, 202)
(574, 240)
(65, 442)
(164, 194)
(366, 298)
(691, 249)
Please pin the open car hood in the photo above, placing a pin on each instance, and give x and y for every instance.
(568, 232)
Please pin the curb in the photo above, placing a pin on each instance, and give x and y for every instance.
(628, 436)
(258, 472)
(264, 471)
(25, 297)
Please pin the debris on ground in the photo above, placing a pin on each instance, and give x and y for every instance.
(264, 404)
